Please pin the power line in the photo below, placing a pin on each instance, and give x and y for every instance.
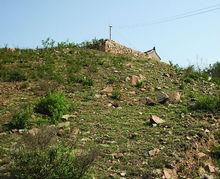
(176, 17)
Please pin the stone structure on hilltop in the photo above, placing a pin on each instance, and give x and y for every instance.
(113, 47)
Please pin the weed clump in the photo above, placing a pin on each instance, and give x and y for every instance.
(54, 105)
(116, 94)
(12, 75)
(214, 70)
(207, 103)
(192, 74)
(21, 119)
(140, 84)
(81, 79)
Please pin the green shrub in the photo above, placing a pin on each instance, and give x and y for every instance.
(21, 119)
(54, 105)
(192, 74)
(116, 94)
(93, 44)
(214, 71)
(207, 103)
(49, 161)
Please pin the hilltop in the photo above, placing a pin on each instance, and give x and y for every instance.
(141, 117)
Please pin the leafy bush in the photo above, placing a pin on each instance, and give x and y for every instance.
(48, 43)
(214, 71)
(207, 103)
(46, 160)
(54, 105)
(116, 94)
(93, 44)
(21, 119)
(192, 74)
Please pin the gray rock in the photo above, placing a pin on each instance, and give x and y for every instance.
(162, 98)
(156, 120)
(63, 125)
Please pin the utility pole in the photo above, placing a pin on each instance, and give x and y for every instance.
(110, 32)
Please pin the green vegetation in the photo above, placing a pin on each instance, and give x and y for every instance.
(207, 103)
(214, 70)
(54, 105)
(192, 74)
(117, 122)
(140, 84)
(21, 119)
(12, 75)
(81, 79)
(116, 94)
(216, 149)
(41, 159)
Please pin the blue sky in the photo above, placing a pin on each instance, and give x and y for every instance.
(193, 40)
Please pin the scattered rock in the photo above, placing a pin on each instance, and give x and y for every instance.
(132, 92)
(200, 155)
(201, 171)
(129, 65)
(108, 90)
(156, 120)
(170, 173)
(123, 174)
(12, 49)
(209, 167)
(141, 77)
(115, 104)
(127, 79)
(166, 75)
(134, 80)
(109, 105)
(3, 134)
(158, 88)
(97, 96)
(33, 131)
(162, 98)
(175, 97)
(67, 116)
(207, 177)
(153, 152)
(20, 131)
(63, 125)
(150, 101)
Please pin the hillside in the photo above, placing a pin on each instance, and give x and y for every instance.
(142, 118)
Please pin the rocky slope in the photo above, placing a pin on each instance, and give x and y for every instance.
(137, 113)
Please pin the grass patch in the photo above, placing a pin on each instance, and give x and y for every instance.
(13, 75)
(43, 159)
(207, 103)
(82, 79)
(116, 95)
(21, 119)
